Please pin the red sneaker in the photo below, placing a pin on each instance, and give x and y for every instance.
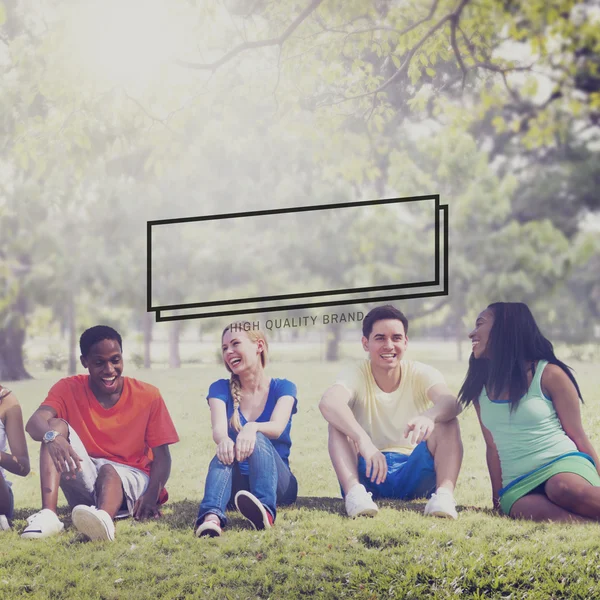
(252, 508)
(209, 528)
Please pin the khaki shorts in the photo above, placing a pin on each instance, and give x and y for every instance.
(81, 489)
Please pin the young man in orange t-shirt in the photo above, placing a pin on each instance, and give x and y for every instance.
(105, 442)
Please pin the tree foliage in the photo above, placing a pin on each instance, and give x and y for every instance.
(494, 105)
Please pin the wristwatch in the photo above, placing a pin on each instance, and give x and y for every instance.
(50, 436)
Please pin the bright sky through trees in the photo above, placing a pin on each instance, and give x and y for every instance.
(124, 42)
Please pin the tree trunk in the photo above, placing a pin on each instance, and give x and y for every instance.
(174, 331)
(458, 332)
(12, 338)
(71, 329)
(332, 342)
(12, 333)
(147, 332)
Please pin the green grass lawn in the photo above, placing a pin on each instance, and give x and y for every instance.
(314, 550)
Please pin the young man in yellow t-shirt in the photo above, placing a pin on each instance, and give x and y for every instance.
(393, 431)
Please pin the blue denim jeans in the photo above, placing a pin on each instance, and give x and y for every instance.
(269, 479)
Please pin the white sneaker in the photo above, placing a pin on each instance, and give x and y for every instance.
(209, 529)
(441, 504)
(4, 524)
(42, 524)
(359, 502)
(94, 523)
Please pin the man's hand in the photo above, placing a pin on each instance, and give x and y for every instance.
(65, 459)
(419, 428)
(376, 469)
(146, 507)
(226, 451)
(245, 441)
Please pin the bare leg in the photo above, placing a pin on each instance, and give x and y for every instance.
(446, 447)
(49, 476)
(109, 490)
(538, 507)
(344, 458)
(4, 497)
(575, 494)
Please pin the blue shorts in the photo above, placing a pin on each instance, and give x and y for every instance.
(409, 476)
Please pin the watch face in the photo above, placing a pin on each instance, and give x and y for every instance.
(49, 436)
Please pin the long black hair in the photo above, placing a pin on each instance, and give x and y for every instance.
(514, 341)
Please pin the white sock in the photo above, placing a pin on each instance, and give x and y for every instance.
(355, 486)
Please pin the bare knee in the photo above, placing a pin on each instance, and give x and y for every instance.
(452, 427)
(560, 491)
(446, 431)
(106, 473)
(337, 438)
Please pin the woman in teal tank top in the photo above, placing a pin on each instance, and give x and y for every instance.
(541, 463)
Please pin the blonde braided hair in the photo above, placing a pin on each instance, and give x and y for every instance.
(235, 385)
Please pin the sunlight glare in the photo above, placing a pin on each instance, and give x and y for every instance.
(120, 42)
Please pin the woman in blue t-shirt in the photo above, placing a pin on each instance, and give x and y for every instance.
(541, 463)
(251, 416)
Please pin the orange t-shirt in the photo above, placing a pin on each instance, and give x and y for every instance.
(123, 433)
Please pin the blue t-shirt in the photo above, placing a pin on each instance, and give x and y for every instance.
(277, 388)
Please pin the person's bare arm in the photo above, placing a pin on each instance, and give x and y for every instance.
(17, 461)
(37, 425)
(337, 412)
(63, 456)
(220, 430)
(246, 439)
(146, 506)
(492, 459)
(445, 408)
(280, 417)
(560, 389)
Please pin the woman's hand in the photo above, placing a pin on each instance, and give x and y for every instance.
(245, 442)
(225, 451)
(496, 504)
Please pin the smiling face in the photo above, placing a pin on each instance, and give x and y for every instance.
(240, 353)
(481, 334)
(105, 365)
(386, 344)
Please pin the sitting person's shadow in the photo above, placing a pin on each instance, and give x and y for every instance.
(336, 505)
(181, 514)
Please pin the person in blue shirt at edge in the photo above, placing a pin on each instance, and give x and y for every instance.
(393, 431)
(542, 465)
(251, 416)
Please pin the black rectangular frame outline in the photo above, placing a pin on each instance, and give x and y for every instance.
(150, 224)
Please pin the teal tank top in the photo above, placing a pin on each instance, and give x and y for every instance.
(529, 437)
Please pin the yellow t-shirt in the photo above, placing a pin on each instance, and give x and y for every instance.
(384, 416)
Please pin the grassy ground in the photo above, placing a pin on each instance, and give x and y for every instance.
(313, 550)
